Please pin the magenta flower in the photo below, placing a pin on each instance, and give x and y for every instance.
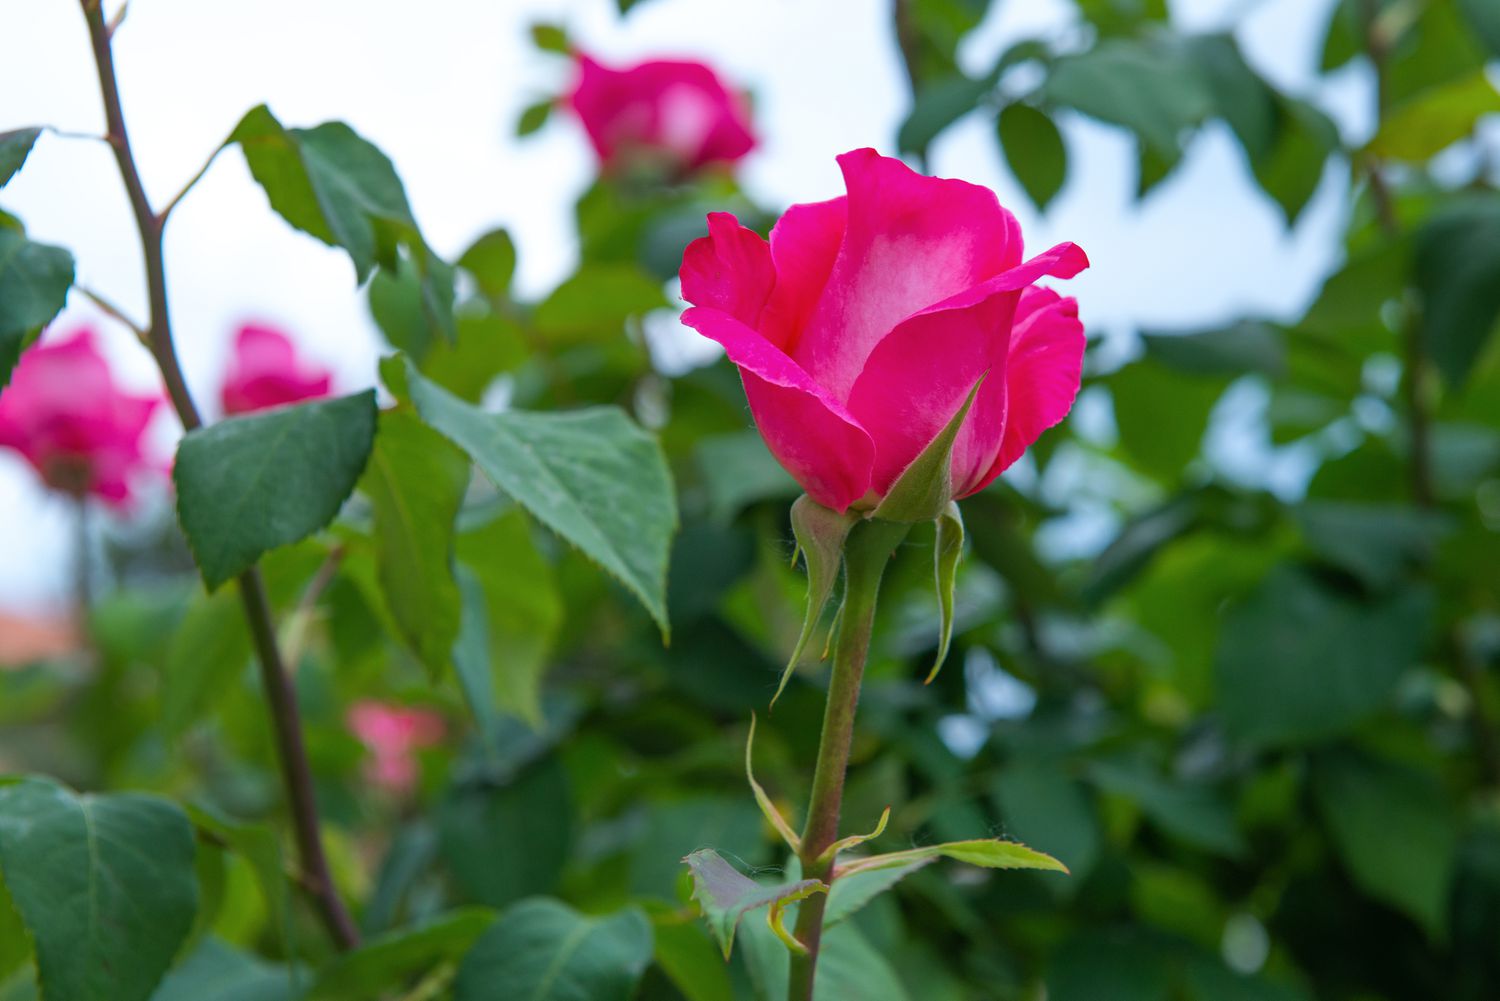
(861, 328)
(64, 414)
(392, 734)
(679, 114)
(265, 372)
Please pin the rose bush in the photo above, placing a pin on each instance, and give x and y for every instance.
(862, 325)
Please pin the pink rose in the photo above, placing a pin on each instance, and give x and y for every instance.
(676, 113)
(861, 328)
(392, 734)
(64, 414)
(265, 372)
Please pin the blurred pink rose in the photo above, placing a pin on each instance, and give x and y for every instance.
(265, 372)
(63, 412)
(678, 113)
(392, 734)
(861, 328)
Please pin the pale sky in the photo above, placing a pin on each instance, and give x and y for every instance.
(438, 86)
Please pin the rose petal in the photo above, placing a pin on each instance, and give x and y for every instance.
(911, 241)
(808, 431)
(804, 244)
(729, 270)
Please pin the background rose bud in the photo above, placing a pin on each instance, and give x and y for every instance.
(64, 414)
(861, 328)
(266, 372)
(392, 734)
(676, 113)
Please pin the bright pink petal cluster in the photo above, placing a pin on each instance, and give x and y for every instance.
(266, 372)
(63, 412)
(392, 735)
(676, 113)
(862, 326)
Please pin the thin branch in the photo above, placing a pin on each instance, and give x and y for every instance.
(285, 717)
(167, 211)
(113, 311)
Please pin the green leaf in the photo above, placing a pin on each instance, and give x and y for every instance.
(853, 891)
(15, 947)
(1150, 89)
(34, 283)
(390, 962)
(249, 484)
(1435, 119)
(1457, 271)
(1239, 95)
(1240, 348)
(1395, 830)
(726, 896)
(416, 481)
(1162, 415)
(1042, 804)
(947, 550)
(534, 116)
(260, 847)
(332, 184)
(15, 145)
(1484, 17)
(820, 535)
(592, 476)
(209, 650)
(221, 972)
(550, 38)
(849, 966)
(1297, 661)
(594, 304)
(738, 470)
(1191, 811)
(1305, 137)
(1381, 544)
(1035, 151)
(686, 953)
(937, 106)
(529, 812)
(1121, 965)
(523, 611)
(105, 885)
(925, 487)
(543, 950)
(767, 808)
(491, 259)
(987, 853)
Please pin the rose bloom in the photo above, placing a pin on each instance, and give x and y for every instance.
(265, 371)
(862, 326)
(392, 734)
(677, 114)
(64, 414)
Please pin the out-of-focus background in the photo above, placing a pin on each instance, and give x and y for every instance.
(439, 90)
(1227, 639)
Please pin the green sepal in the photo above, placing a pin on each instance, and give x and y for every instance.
(988, 853)
(820, 535)
(773, 815)
(854, 840)
(726, 895)
(947, 551)
(925, 487)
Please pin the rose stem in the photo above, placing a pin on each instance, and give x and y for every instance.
(869, 548)
(280, 693)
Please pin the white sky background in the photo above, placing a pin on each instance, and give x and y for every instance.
(438, 86)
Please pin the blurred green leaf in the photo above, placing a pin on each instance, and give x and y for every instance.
(34, 283)
(1484, 17)
(543, 950)
(1162, 415)
(1035, 151)
(1395, 830)
(217, 970)
(104, 884)
(210, 650)
(594, 304)
(687, 955)
(390, 962)
(592, 476)
(1378, 543)
(534, 116)
(15, 145)
(726, 896)
(1457, 271)
(1042, 805)
(1192, 811)
(938, 105)
(550, 38)
(247, 485)
(491, 259)
(1240, 348)
(849, 966)
(1239, 95)
(1151, 89)
(1435, 119)
(1291, 173)
(1109, 963)
(1298, 661)
(416, 480)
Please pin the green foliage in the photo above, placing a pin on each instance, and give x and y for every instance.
(247, 485)
(726, 896)
(542, 950)
(592, 476)
(1457, 270)
(34, 283)
(1035, 151)
(15, 146)
(104, 885)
